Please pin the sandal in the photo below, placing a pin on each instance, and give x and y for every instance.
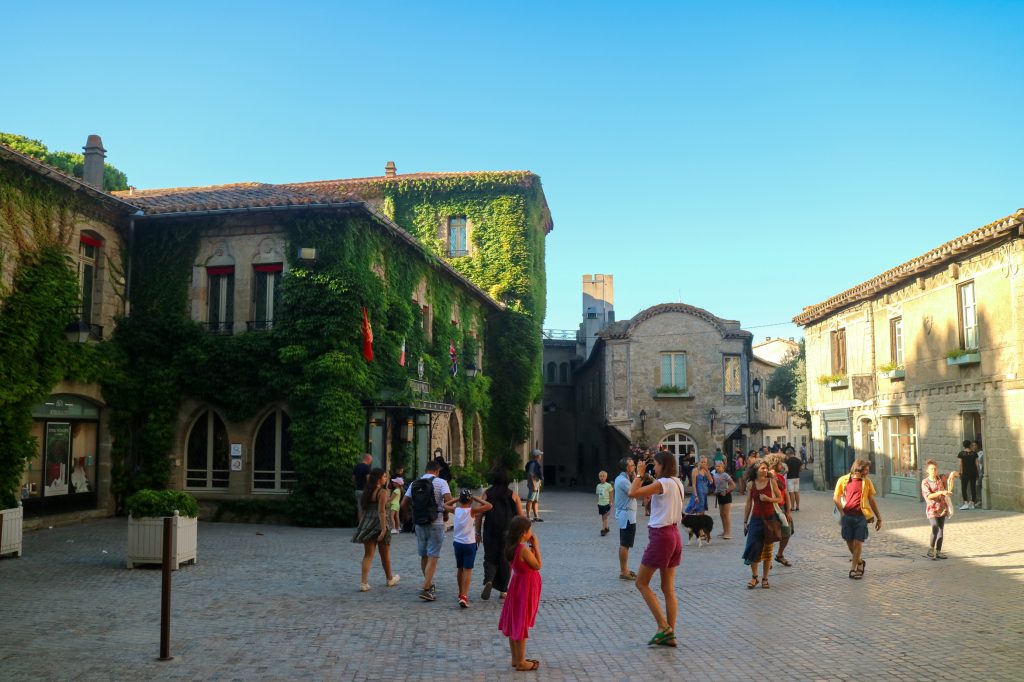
(529, 665)
(764, 584)
(784, 561)
(662, 636)
(671, 641)
(860, 569)
(753, 582)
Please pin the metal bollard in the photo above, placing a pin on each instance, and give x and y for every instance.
(165, 592)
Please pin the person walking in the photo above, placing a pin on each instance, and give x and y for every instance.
(793, 467)
(740, 472)
(724, 485)
(495, 522)
(359, 475)
(936, 491)
(426, 497)
(519, 612)
(702, 483)
(664, 546)
(465, 510)
(758, 515)
(969, 475)
(534, 483)
(605, 491)
(777, 464)
(854, 497)
(374, 529)
(625, 515)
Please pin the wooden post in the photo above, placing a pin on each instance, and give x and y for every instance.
(165, 592)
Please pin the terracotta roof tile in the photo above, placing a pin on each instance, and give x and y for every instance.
(901, 273)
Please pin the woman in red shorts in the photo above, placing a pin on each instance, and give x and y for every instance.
(664, 547)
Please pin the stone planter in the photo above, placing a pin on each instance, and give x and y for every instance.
(11, 520)
(893, 374)
(146, 540)
(965, 359)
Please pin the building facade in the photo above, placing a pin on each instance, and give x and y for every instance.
(904, 367)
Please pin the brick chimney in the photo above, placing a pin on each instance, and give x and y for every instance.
(389, 170)
(94, 155)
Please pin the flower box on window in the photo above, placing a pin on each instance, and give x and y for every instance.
(892, 371)
(11, 522)
(834, 381)
(668, 391)
(960, 356)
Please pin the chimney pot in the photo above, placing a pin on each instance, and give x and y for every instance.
(94, 153)
(390, 170)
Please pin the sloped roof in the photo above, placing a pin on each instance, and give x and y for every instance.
(624, 328)
(69, 181)
(900, 274)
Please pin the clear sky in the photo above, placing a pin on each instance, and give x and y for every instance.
(747, 158)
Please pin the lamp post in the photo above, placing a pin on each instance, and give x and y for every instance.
(756, 386)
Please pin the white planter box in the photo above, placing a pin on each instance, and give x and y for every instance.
(966, 359)
(10, 543)
(893, 374)
(146, 540)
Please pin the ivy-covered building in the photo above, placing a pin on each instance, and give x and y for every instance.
(241, 370)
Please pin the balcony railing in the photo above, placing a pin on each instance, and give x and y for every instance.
(457, 253)
(219, 328)
(559, 334)
(80, 332)
(259, 325)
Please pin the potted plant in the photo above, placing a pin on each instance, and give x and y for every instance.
(468, 477)
(892, 370)
(668, 390)
(963, 356)
(11, 517)
(146, 512)
(834, 381)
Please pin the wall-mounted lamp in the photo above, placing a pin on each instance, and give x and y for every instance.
(471, 369)
(77, 332)
(712, 413)
(756, 386)
(306, 254)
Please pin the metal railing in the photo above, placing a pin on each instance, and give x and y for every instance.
(259, 325)
(559, 334)
(219, 328)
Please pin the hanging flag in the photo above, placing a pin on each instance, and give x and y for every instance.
(401, 358)
(451, 354)
(367, 337)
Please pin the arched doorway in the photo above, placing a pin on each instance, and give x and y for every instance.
(455, 440)
(682, 445)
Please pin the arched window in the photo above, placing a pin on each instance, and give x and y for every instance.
(563, 373)
(680, 444)
(208, 453)
(552, 368)
(272, 454)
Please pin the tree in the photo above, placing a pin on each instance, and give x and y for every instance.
(788, 384)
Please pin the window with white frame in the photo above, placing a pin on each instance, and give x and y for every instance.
(457, 244)
(968, 310)
(220, 308)
(901, 432)
(272, 468)
(88, 257)
(208, 453)
(673, 370)
(896, 340)
(266, 294)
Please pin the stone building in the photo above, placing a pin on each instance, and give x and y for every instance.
(672, 375)
(770, 422)
(450, 265)
(905, 366)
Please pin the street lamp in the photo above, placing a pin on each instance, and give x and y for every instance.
(643, 425)
(757, 388)
(471, 369)
(712, 413)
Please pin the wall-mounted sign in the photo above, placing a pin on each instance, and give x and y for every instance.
(66, 407)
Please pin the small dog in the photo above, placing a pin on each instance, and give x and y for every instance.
(700, 525)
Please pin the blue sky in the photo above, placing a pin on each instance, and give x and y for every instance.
(748, 158)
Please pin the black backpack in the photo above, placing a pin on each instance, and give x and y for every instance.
(424, 506)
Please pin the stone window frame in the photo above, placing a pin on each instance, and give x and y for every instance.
(451, 248)
(896, 340)
(214, 478)
(726, 358)
(969, 329)
(672, 379)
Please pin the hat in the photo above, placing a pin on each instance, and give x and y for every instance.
(536, 453)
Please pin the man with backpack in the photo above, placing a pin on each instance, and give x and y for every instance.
(426, 497)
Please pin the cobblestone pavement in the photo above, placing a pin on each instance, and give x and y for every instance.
(273, 602)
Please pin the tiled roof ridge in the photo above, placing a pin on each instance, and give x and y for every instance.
(161, 191)
(70, 181)
(626, 329)
(912, 267)
(426, 175)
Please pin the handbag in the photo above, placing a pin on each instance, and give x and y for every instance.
(772, 531)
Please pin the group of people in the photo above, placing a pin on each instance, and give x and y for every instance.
(495, 519)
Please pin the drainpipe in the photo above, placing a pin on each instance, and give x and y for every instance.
(128, 269)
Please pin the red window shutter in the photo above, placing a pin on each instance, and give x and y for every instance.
(221, 270)
(268, 267)
(90, 241)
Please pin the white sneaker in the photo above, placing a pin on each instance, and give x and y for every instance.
(394, 580)
(973, 506)
(394, 531)
(965, 505)
(364, 587)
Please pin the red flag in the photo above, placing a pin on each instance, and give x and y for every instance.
(451, 354)
(401, 358)
(367, 337)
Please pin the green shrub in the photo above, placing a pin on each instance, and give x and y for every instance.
(467, 477)
(161, 503)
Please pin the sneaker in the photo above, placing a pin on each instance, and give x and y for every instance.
(486, 594)
(463, 601)
(539, 520)
(394, 580)
(973, 505)
(427, 594)
(394, 531)
(965, 505)
(364, 587)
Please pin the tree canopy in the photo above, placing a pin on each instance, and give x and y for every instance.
(788, 384)
(68, 162)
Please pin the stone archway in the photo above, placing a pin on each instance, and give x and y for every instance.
(456, 451)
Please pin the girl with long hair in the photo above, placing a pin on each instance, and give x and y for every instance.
(374, 529)
(505, 506)
(760, 507)
(519, 612)
(664, 546)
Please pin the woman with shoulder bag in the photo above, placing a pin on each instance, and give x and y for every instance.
(759, 523)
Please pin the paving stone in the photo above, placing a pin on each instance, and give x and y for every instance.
(276, 603)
